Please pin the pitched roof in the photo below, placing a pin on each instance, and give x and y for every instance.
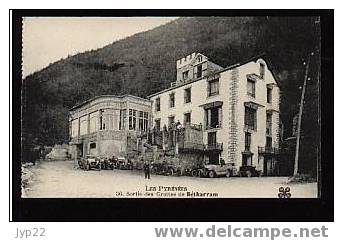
(106, 96)
(263, 55)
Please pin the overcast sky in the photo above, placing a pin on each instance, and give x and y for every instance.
(46, 40)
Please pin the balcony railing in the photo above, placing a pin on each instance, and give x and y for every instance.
(214, 146)
(213, 126)
(194, 126)
(268, 150)
(191, 146)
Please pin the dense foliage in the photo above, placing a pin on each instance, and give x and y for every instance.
(145, 63)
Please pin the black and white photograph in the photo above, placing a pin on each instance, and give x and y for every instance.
(171, 107)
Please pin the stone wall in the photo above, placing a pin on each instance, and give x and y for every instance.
(233, 127)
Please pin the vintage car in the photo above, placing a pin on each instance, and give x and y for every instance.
(212, 170)
(194, 170)
(137, 164)
(124, 164)
(249, 171)
(164, 168)
(90, 162)
(108, 163)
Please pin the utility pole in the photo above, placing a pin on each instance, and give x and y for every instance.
(296, 159)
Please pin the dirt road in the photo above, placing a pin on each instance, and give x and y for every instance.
(61, 179)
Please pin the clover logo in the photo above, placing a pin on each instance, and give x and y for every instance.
(284, 192)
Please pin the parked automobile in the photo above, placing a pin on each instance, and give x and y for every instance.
(108, 163)
(212, 170)
(90, 162)
(124, 164)
(164, 168)
(249, 171)
(194, 171)
(137, 164)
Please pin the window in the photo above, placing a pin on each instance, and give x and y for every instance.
(186, 119)
(158, 104)
(247, 160)
(269, 142)
(122, 121)
(269, 95)
(250, 121)
(102, 122)
(140, 121)
(92, 145)
(93, 122)
(108, 119)
(171, 121)
(83, 125)
(145, 121)
(269, 124)
(199, 71)
(172, 100)
(188, 95)
(213, 87)
(74, 128)
(213, 117)
(132, 119)
(251, 88)
(262, 70)
(158, 124)
(212, 138)
(247, 141)
(185, 75)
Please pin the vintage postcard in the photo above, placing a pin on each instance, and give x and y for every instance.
(171, 107)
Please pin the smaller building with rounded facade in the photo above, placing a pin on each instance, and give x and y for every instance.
(108, 125)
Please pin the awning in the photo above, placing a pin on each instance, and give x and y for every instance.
(271, 85)
(213, 77)
(271, 111)
(247, 153)
(212, 104)
(252, 104)
(253, 77)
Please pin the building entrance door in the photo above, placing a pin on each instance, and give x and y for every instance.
(213, 158)
(268, 166)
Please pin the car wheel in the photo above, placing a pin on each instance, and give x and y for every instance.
(228, 173)
(248, 173)
(211, 174)
(171, 172)
(179, 172)
(194, 173)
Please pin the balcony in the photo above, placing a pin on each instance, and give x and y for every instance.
(213, 126)
(268, 150)
(85, 137)
(214, 147)
(188, 145)
(197, 127)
